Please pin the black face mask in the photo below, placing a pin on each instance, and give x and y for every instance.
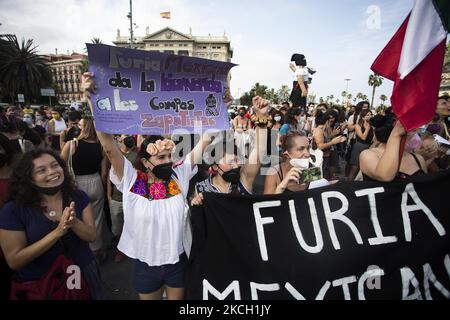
(233, 176)
(163, 171)
(49, 191)
(129, 142)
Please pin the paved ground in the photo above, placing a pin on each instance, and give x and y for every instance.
(117, 278)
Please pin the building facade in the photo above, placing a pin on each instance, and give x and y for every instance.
(172, 41)
(445, 83)
(66, 73)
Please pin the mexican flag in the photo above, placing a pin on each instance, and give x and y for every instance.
(413, 59)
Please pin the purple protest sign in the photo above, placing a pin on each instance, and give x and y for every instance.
(148, 92)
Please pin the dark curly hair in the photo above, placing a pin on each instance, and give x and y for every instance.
(23, 190)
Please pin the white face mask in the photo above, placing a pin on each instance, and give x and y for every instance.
(277, 118)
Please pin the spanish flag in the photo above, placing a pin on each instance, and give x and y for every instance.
(165, 15)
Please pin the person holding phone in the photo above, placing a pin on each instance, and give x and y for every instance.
(285, 178)
(326, 142)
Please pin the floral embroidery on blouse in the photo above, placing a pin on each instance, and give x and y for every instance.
(155, 190)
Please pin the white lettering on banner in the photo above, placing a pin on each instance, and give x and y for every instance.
(233, 287)
(124, 105)
(429, 276)
(374, 273)
(447, 264)
(315, 221)
(338, 215)
(255, 287)
(298, 296)
(417, 206)
(408, 278)
(344, 283)
(260, 222)
(379, 239)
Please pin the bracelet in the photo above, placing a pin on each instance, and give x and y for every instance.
(259, 121)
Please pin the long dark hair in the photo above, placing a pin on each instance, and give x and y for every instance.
(358, 109)
(383, 126)
(290, 116)
(22, 189)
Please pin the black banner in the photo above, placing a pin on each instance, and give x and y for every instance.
(358, 240)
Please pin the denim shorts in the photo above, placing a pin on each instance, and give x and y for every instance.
(148, 279)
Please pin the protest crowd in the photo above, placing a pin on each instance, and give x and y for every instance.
(67, 188)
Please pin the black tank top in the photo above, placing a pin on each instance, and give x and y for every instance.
(369, 137)
(401, 175)
(87, 158)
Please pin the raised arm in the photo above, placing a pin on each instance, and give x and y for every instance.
(385, 168)
(107, 140)
(251, 169)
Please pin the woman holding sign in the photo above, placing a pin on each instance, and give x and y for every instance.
(227, 175)
(154, 205)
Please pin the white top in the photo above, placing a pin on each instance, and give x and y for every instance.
(301, 71)
(153, 229)
(60, 125)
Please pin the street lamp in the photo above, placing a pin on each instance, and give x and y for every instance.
(346, 90)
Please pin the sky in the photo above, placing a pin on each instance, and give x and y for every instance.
(340, 39)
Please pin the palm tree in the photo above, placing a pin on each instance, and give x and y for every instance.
(283, 92)
(96, 41)
(359, 95)
(85, 63)
(22, 70)
(349, 96)
(364, 97)
(375, 81)
(344, 95)
(383, 98)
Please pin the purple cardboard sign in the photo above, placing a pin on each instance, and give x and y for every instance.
(148, 92)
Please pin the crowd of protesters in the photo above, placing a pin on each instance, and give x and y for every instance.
(61, 180)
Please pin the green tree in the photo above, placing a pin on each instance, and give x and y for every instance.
(85, 63)
(383, 98)
(272, 95)
(375, 81)
(359, 96)
(22, 70)
(257, 90)
(283, 93)
(246, 99)
(344, 95)
(96, 41)
(349, 96)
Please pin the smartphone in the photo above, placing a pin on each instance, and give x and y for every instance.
(311, 174)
